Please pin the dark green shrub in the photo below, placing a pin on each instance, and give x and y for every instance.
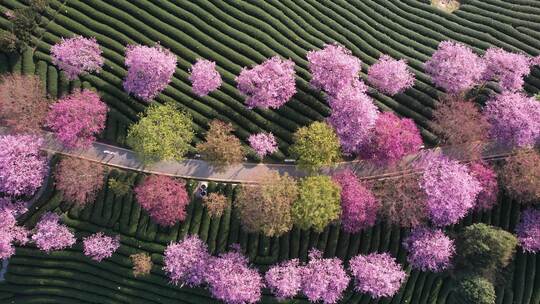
(8, 42)
(474, 290)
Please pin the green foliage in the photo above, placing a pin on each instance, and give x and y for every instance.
(474, 290)
(221, 148)
(318, 203)
(483, 249)
(9, 42)
(164, 133)
(316, 146)
(121, 187)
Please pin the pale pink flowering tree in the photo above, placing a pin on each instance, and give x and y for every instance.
(150, 69)
(455, 67)
(164, 198)
(285, 279)
(429, 249)
(487, 177)
(514, 119)
(99, 246)
(10, 232)
(77, 118)
(391, 139)
(22, 166)
(324, 280)
(333, 68)
(204, 77)
(390, 76)
(506, 67)
(186, 261)
(50, 235)
(359, 206)
(268, 85)
(451, 190)
(77, 55)
(377, 274)
(528, 230)
(263, 143)
(353, 118)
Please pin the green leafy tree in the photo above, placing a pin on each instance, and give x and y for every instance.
(266, 207)
(316, 146)
(221, 148)
(474, 290)
(483, 249)
(164, 133)
(318, 203)
(121, 186)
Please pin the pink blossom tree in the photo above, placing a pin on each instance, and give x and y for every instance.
(390, 76)
(324, 279)
(487, 177)
(231, 280)
(285, 279)
(392, 138)
(79, 180)
(164, 198)
(451, 190)
(50, 235)
(334, 68)
(268, 85)
(429, 249)
(150, 69)
(506, 67)
(22, 166)
(77, 55)
(359, 206)
(514, 119)
(10, 232)
(377, 274)
(99, 246)
(204, 77)
(186, 261)
(455, 67)
(353, 117)
(263, 143)
(528, 230)
(77, 118)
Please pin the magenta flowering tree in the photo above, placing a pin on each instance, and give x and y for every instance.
(164, 198)
(377, 274)
(99, 246)
(486, 176)
(150, 69)
(10, 233)
(185, 262)
(263, 143)
(204, 77)
(333, 68)
(359, 206)
(506, 67)
(51, 235)
(77, 118)
(514, 119)
(451, 190)
(285, 279)
(455, 67)
(353, 118)
(77, 55)
(268, 85)
(390, 76)
(22, 167)
(231, 280)
(392, 138)
(429, 249)
(324, 279)
(528, 230)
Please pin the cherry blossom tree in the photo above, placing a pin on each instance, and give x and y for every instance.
(186, 261)
(77, 55)
(429, 249)
(79, 180)
(268, 85)
(22, 166)
(77, 118)
(150, 69)
(23, 105)
(164, 198)
(99, 246)
(390, 76)
(10, 232)
(51, 235)
(487, 177)
(377, 274)
(204, 77)
(506, 67)
(528, 230)
(263, 143)
(520, 175)
(285, 279)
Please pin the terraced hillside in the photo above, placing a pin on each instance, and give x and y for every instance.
(70, 277)
(241, 33)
